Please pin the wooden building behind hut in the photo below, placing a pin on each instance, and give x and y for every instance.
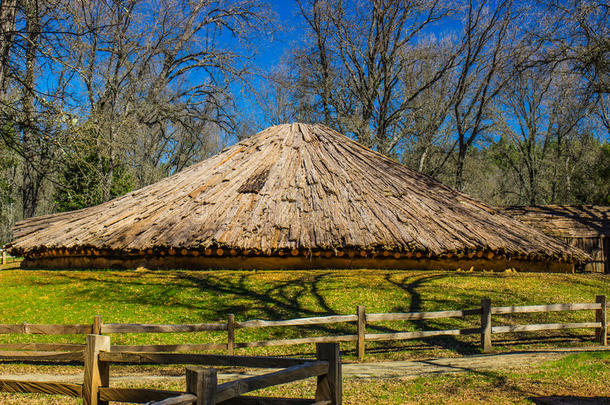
(586, 227)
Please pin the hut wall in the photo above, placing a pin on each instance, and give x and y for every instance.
(598, 247)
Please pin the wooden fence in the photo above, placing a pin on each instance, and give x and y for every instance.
(201, 383)
(362, 320)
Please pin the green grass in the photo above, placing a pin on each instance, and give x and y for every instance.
(582, 375)
(177, 296)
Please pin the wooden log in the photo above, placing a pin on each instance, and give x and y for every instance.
(601, 317)
(207, 252)
(44, 329)
(231, 334)
(202, 383)
(376, 337)
(219, 252)
(95, 372)
(179, 400)
(155, 328)
(49, 347)
(544, 308)
(318, 320)
(97, 325)
(39, 387)
(406, 316)
(544, 326)
(233, 389)
(36, 356)
(294, 252)
(329, 386)
(137, 395)
(299, 341)
(169, 348)
(486, 328)
(361, 312)
(199, 359)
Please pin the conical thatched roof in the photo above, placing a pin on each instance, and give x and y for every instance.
(291, 191)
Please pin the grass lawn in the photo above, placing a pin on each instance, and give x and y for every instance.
(178, 296)
(582, 375)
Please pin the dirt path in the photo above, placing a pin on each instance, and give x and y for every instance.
(386, 369)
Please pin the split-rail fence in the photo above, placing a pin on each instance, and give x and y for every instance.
(301, 368)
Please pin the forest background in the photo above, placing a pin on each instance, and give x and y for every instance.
(508, 101)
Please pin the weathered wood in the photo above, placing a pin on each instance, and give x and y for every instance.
(299, 341)
(231, 334)
(39, 387)
(544, 308)
(299, 372)
(408, 316)
(318, 320)
(3, 256)
(601, 317)
(95, 372)
(199, 359)
(169, 348)
(137, 395)
(38, 329)
(486, 328)
(544, 326)
(68, 347)
(154, 328)
(202, 382)
(41, 356)
(361, 313)
(377, 337)
(329, 386)
(179, 400)
(97, 325)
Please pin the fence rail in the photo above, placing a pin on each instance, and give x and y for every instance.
(361, 319)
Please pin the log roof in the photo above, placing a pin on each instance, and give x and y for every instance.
(568, 221)
(292, 188)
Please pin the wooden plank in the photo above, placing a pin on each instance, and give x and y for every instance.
(202, 383)
(361, 313)
(421, 334)
(169, 348)
(179, 400)
(299, 372)
(253, 400)
(95, 372)
(299, 341)
(409, 316)
(137, 395)
(544, 326)
(199, 359)
(544, 308)
(97, 325)
(43, 329)
(318, 320)
(67, 347)
(157, 328)
(41, 356)
(486, 327)
(39, 387)
(231, 334)
(601, 317)
(329, 386)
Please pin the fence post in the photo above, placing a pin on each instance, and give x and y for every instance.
(601, 316)
(231, 334)
(3, 256)
(361, 311)
(202, 382)
(486, 324)
(97, 325)
(329, 385)
(96, 373)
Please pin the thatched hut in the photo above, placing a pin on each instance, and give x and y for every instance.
(292, 196)
(586, 227)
